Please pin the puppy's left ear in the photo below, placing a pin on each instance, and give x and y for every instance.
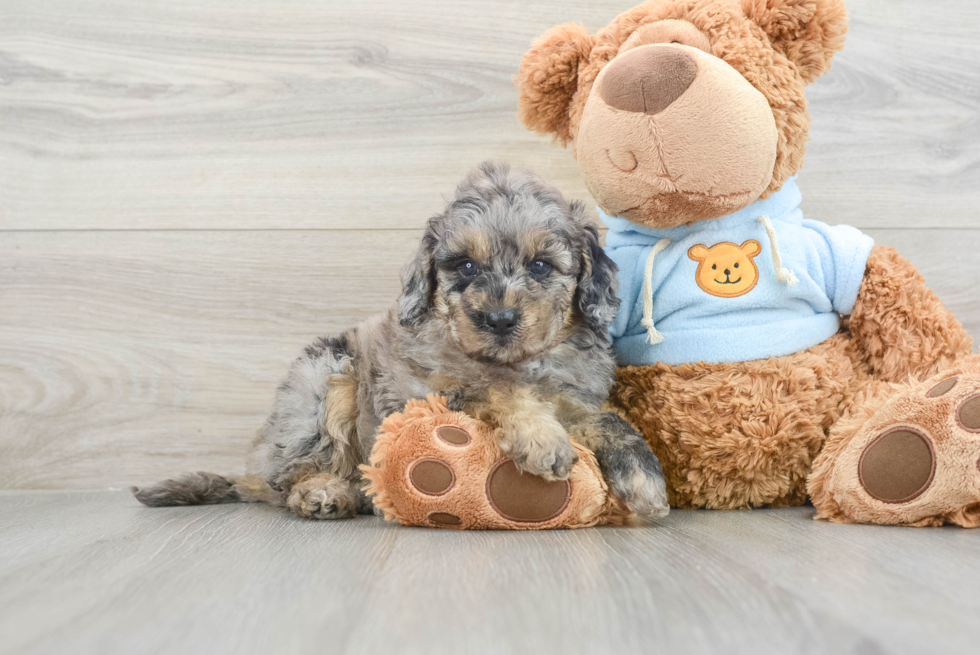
(418, 281)
(597, 284)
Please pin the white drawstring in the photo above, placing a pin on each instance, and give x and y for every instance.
(653, 337)
(784, 275)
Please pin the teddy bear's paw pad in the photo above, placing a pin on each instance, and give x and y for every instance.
(524, 497)
(432, 476)
(968, 414)
(943, 387)
(452, 435)
(444, 518)
(898, 466)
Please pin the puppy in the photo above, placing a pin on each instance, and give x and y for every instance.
(504, 310)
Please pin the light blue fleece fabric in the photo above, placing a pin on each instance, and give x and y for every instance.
(772, 319)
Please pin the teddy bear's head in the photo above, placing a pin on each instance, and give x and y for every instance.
(683, 110)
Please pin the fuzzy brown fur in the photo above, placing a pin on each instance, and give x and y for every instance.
(733, 436)
(899, 327)
(760, 433)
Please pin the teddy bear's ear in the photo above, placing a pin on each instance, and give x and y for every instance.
(808, 32)
(548, 78)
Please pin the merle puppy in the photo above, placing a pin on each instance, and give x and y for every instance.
(504, 310)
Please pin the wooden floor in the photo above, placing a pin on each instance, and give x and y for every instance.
(94, 572)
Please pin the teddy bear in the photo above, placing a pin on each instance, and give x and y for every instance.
(767, 358)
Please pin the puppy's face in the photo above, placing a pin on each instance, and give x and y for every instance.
(505, 288)
(510, 269)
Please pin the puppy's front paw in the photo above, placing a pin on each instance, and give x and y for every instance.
(635, 476)
(540, 447)
(631, 468)
(645, 493)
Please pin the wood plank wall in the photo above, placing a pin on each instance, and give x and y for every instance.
(191, 190)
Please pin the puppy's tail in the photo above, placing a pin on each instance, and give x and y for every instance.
(204, 489)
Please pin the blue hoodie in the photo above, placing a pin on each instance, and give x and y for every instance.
(717, 292)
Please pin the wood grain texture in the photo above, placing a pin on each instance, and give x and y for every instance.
(253, 114)
(126, 354)
(192, 190)
(97, 573)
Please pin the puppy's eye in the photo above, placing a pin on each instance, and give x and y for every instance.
(736, 265)
(539, 268)
(714, 267)
(468, 268)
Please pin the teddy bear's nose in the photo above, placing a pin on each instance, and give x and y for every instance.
(648, 79)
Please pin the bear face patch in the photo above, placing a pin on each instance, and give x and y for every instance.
(726, 270)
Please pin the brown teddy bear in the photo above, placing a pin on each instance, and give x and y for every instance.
(765, 356)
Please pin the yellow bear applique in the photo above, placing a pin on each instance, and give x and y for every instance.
(726, 270)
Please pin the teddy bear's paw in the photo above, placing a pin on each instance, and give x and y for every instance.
(917, 459)
(322, 497)
(448, 470)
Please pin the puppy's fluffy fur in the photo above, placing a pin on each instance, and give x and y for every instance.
(504, 309)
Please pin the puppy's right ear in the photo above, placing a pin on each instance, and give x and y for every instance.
(418, 281)
(548, 78)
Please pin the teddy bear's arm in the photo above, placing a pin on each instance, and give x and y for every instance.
(899, 327)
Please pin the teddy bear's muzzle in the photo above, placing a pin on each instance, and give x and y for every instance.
(671, 134)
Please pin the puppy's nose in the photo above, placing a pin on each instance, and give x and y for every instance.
(648, 79)
(728, 272)
(503, 321)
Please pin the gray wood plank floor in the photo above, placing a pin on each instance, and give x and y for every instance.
(94, 572)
